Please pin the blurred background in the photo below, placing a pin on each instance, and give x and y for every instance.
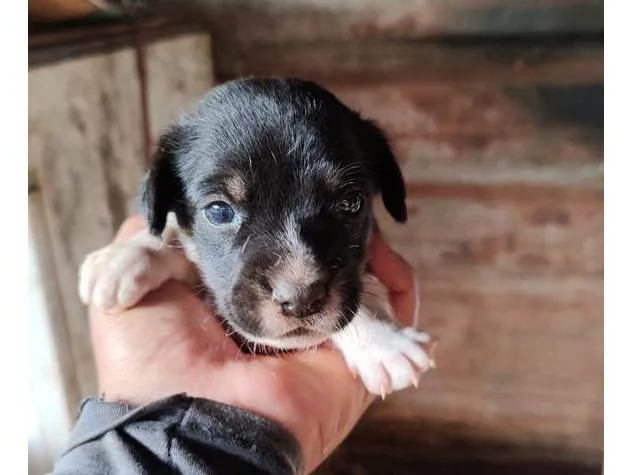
(495, 109)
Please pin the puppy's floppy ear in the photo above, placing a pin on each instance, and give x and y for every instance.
(387, 172)
(162, 189)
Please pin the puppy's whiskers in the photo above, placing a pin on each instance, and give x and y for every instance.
(200, 289)
(293, 147)
(248, 238)
(241, 347)
(273, 155)
(380, 298)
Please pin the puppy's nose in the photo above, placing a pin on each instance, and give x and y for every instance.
(300, 302)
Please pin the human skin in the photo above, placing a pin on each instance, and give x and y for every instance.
(172, 343)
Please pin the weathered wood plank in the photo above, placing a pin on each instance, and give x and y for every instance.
(536, 352)
(52, 379)
(519, 377)
(49, 45)
(179, 72)
(489, 136)
(513, 289)
(536, 237)
(378, 62)
(407, 109)
(86, 152)
(287, 21)
(85, 149)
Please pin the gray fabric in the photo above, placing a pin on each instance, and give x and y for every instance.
(177, 434)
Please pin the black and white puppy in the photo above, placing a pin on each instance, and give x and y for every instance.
(268, 187)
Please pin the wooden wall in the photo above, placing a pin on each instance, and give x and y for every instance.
(506, 236)
(501, 145)
(86, 159)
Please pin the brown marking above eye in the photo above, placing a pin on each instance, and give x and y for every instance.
(231, 185)
(235, 187)
(340, 178)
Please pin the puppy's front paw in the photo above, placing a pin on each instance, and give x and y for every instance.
(385, 357)
(118, 276)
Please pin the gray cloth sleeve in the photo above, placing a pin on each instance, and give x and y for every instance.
(178, 434)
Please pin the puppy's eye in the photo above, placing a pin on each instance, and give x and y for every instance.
(351, 204)
(219, 212)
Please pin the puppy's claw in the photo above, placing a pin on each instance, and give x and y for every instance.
(430, 351)
(431, 346)
(393, 359)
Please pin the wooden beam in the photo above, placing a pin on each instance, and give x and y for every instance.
(179, 73)
(48, 45)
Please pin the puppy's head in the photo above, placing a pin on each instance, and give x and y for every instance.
(271, 181)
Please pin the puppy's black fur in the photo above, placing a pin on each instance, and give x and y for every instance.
(278, 151)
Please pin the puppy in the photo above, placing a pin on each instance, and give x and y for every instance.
(268, 188)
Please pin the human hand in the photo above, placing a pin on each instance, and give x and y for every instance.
(171, 343)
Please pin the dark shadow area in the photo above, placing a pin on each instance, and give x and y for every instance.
(571, 105)
(372, 466)
(574, 107)
(423, 446)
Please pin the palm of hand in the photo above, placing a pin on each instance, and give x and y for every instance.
(171, 343)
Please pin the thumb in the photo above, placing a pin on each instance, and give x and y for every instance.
(398, 276)
(130, 227)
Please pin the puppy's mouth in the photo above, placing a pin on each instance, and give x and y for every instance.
(301, 331)
(268, 327)
(296, 339)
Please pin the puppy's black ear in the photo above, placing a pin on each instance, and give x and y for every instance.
(162, 189)
(387, 172)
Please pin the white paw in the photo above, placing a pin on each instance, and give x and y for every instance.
(385, 357)
(118, 276)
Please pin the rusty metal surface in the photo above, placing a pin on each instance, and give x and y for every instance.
(285, 21)
(369, 62)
